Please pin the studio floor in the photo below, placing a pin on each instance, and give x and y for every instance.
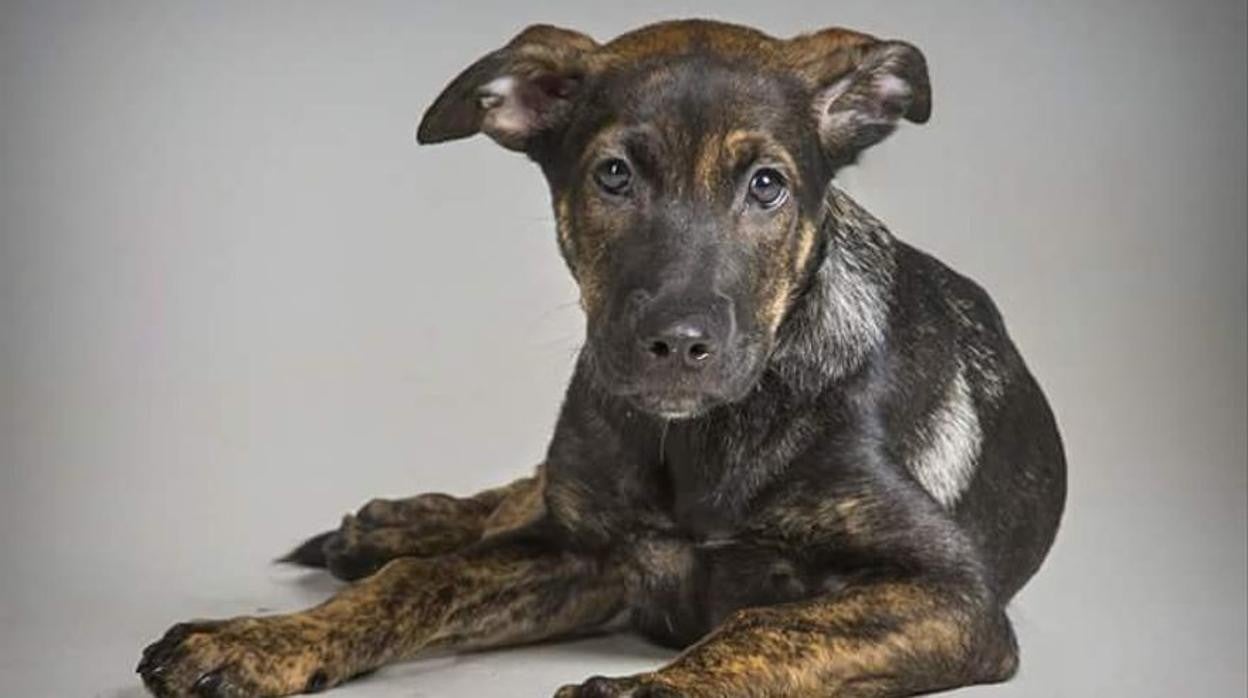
(87, 643)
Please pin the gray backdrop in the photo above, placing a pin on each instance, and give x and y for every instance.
(236, 301)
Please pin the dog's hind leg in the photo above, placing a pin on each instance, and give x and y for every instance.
(421, 526)
(511, 588)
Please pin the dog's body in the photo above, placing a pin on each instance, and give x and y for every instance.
(791, 439)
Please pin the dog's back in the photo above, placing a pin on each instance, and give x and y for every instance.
(988, 447)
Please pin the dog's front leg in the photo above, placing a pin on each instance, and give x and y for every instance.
(500, 592)
(422, 526)
(882, 639)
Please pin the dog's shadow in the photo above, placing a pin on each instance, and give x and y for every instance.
(317, 585)
(607, 649)
(620, 644)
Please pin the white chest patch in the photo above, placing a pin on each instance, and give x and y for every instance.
(946, 463)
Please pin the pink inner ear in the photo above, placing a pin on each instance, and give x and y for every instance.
(886, 91)
(893, 93)
(861, 108)
(508, 118)
(515, 108)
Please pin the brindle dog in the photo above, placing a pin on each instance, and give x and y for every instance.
(798, 448)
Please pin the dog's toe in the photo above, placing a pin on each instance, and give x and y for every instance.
(178, 665)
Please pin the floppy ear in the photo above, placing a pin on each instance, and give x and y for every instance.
(862, 86)
(515, 93)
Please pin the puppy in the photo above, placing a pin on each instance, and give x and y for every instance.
(797, 448)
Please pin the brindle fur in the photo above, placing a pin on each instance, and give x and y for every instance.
(862, 480)
(422, 526)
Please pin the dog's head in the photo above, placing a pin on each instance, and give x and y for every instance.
(687, 162)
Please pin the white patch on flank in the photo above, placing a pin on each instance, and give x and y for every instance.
(947, 462)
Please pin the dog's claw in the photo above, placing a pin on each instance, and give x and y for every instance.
(208, 685)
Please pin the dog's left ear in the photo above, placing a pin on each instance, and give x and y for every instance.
(862, 87)
(513, 94)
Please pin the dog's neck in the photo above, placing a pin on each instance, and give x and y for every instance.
(842, 316)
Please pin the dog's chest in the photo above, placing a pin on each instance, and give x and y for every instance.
(681, 587)
(696, 554)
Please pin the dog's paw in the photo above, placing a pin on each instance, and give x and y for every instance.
(234, 658)
(357, 550)
(415, 511)
(623, 687)
(384, 530)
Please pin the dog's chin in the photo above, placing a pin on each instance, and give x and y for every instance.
(679, 404)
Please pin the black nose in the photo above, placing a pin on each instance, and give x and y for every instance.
(687, 341)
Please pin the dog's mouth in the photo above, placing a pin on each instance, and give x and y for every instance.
(675, 395)
(674, 405)
(667, 399)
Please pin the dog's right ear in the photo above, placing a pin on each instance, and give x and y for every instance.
(515, 93)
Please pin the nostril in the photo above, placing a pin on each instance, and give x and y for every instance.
(660, 349)
(699, 351)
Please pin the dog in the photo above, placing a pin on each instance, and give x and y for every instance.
(793, 446)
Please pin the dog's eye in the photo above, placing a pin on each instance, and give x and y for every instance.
(767, 188)
(613, 175)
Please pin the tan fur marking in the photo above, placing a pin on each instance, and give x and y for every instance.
(522, 504)
(805, 245)
(563, 222)
(708, 167)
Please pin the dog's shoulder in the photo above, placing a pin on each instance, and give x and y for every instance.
(947, 324)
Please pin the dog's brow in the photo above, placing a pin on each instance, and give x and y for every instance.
(637, 142)
(604, 139)
(641, 144)
(746, 147)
